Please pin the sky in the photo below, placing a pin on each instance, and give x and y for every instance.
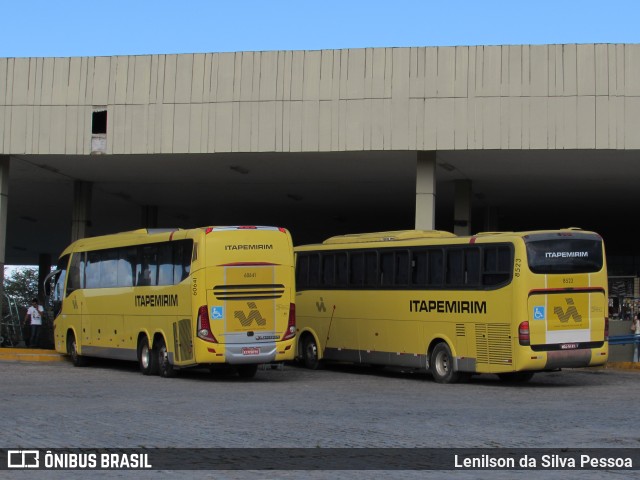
(70, 28)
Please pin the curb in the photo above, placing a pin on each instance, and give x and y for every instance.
(623, 365)
(30, 355)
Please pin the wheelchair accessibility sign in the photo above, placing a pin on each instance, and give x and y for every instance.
(539, 313)
(217, 313)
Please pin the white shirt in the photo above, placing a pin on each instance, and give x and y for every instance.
(36, 315)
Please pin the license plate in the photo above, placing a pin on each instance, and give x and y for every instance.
(250, 351)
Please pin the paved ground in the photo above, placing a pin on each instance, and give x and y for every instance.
(111, 405)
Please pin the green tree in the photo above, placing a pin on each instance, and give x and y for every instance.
(21, 285)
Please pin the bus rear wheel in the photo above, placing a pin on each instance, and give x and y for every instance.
(166, 370)
(310, 353)
(72, 349)
(442, 364)
(147, 358)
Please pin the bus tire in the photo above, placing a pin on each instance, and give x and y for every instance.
(72, 349)
(515, 377)
(442, 364)
(165, 368)
(310, 353)
(147, 357)
(247, 371)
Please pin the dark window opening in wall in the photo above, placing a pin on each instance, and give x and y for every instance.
(99, 122)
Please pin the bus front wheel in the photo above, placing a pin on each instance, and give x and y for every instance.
(72, 349)
(310, 353)
(442, 364)
(147, 358)
(164, 366)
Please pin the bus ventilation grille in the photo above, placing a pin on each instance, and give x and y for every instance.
(493, 344)
(248, 292)
(182, 339)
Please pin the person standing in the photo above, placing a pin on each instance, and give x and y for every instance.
(34, 318)
(635, 327)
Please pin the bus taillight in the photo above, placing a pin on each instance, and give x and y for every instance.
(204, 327)
(523, 333)
(291, 326)
(606, 329)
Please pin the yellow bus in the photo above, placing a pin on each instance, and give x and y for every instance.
(507, 303)
(173, 298)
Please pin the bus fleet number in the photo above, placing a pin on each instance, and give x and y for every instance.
(518, 266)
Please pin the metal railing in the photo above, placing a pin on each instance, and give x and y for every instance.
(10, 325)
(624, 339)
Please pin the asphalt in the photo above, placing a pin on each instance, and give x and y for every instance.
(22, 354)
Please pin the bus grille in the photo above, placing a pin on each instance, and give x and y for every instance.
(493, 344)
(248, 292)
(182, 339)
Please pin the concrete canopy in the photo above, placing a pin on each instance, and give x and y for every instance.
(324, 142)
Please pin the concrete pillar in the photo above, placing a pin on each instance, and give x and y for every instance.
(149, 216)
(426, 191)
(4, 200)
(81, 216)
(462, 207)
(44, 268)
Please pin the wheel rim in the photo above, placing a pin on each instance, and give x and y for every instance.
(442, 364)
(74, 350)
(144, 356)
(164, 357)
(312, 351)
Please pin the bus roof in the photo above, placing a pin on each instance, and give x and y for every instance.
(438, 236)
(387, 236)
(151, 235)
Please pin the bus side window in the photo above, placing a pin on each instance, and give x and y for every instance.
(342, 271)
(386, 268)
(92, 270)
(419, 267)
(302, 271)
(314, 270)
(455, 267)
(356, 269)
(126, 262)
(472, 266)
(181, 260)
(497, 265)
(108, 268)
(147, 266)
(401, 276)
(73, 283)
(165, 264)
(328, 269)
(436, 267)
(371, 269)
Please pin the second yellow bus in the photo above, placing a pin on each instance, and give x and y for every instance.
(511, 303)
